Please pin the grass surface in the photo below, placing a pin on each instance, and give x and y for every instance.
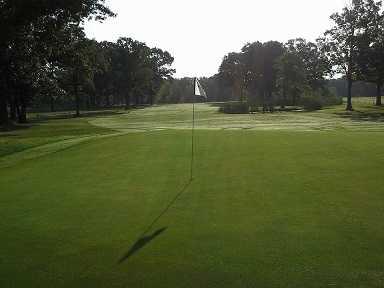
(41, 133)
(278, 207)
(365, 117)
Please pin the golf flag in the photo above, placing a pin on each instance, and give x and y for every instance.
(199, 91)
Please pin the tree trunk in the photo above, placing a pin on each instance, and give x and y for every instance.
(88, 103)
(378, 95)
(241, 94)
(107, 100)
(127, 101)
(22, 113)
(349, 95)
(52, 104)
(13, 107)
(271, 102)
(284, 102)
(151, 99)
(77, 99)
(264, 100)
(3, 110)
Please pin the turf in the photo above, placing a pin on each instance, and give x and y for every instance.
(267, 207)
(365, 117)
(44, 132)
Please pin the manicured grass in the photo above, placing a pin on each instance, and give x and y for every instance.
(366, 117)
(40, 133)
(277, 208)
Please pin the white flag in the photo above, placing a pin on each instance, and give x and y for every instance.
(199, 91)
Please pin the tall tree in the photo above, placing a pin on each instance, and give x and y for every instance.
(38, 21)
(291, 77)
(340, 43)
(80, 64)
(315, 63)
(371, 47)
(232, 71)
(253, 59)
(160, 62)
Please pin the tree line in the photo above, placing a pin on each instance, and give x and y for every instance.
(300, 71)
(46, 60)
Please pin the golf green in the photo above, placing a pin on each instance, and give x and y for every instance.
(276, 208)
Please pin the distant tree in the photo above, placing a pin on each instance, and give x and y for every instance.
(160, 65)
(340, 43)
(232, 71)
(133, 60)
(253, 58)
(253, 70)
(272, 52)
(371, 47)
(80, 64)
(315, 63)
(291, 77)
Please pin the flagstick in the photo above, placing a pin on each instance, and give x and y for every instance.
(193, 132)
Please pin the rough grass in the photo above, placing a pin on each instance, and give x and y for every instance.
(278, 208)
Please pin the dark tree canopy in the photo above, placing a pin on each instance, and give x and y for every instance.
(46, 60)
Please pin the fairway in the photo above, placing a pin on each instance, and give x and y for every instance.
(270, 206)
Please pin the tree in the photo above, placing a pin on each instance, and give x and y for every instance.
(161, 62)
(261, 73)
(132, 59)
(371, 47)
(233, 72)
(340, 43)
(291, 77)
(80, 64)
(30, 28)
(314, 62)
(253, 61)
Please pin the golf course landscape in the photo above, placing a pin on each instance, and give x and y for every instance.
(284, 199)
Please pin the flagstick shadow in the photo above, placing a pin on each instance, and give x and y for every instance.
(145, 239)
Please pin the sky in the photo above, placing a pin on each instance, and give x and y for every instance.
(200, 33)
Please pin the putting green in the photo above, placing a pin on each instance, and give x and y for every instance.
(279, 208)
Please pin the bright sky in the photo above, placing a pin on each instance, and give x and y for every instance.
(199, 33)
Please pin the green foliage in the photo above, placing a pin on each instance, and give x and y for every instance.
(316, 100)
(314, 62)
(234, 108)
(330, 98)
(291, 78)
(270, 74)
(233, 72)
(311, 102)
(45, 57)
(347, 43)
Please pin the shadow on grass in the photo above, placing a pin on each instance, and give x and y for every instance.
(216, 104)
(44, 117)
(145, 239)
(139, 244)
(71, 115)
(373, 115)
(259, 109)
(14, 127)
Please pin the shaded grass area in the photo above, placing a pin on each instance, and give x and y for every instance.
(71, 114)
(364, 111)
(39, 133)
(266, 209)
